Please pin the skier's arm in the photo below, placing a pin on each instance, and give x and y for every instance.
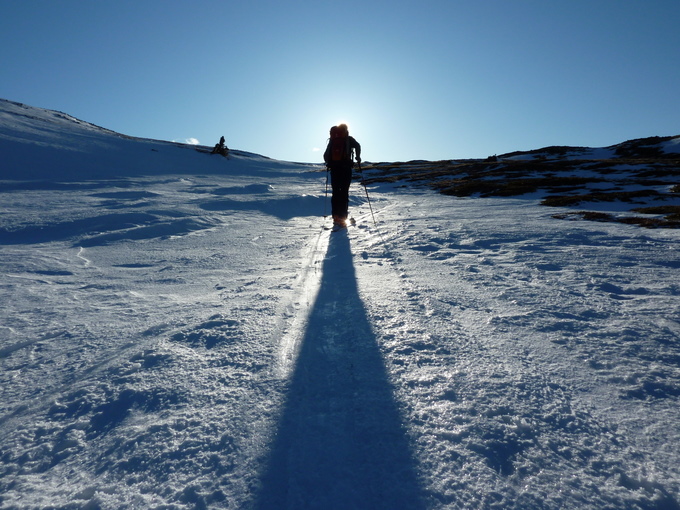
(357, 148)
(327, 154)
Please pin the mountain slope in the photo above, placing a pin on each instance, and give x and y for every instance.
(638, 176)
(40, 144)
(183, 333)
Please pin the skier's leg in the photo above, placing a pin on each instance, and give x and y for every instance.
(346, 182)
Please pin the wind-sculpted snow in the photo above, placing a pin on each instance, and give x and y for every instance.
(197, 340)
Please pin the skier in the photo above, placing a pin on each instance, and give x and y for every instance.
(339, 158)
(220, 148)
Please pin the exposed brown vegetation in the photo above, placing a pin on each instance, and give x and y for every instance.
(635, 172)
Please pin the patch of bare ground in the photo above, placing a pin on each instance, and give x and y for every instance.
(637, 173)
(667, 222)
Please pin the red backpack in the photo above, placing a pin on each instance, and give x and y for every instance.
(340, 150)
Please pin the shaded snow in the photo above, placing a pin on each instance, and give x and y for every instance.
(178, 331)
(671, 145)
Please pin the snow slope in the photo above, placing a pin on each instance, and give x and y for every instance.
(178, 331)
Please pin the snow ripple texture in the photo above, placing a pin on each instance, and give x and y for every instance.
(188, 336)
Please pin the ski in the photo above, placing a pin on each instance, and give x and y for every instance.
(351, 222)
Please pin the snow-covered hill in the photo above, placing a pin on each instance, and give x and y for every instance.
(178, 331)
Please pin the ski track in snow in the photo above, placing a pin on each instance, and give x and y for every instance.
(296, 315)
(199, 341)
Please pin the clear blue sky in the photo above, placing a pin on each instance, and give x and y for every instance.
(426, 79)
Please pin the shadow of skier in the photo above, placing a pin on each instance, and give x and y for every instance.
(340, 441)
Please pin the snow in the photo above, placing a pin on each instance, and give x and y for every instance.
(672, 146)
(179, 331)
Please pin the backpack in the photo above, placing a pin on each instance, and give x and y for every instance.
(340, 148)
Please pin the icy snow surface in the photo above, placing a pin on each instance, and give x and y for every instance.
(179, 331)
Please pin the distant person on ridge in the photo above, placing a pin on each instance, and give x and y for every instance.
(220, 148)
(339, 158)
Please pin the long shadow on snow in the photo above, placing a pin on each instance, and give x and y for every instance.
(340, 441)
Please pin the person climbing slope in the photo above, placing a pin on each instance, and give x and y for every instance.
(339, 158)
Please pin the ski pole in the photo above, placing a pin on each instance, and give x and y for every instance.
(325, 200)
(363, 183)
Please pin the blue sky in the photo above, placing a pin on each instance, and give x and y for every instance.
(428, 79)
